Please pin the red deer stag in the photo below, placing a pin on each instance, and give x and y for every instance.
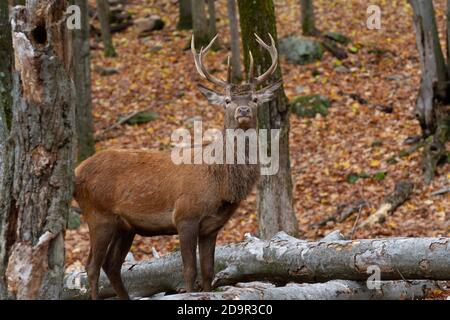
(124, 192)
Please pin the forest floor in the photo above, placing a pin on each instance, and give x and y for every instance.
(356, 138)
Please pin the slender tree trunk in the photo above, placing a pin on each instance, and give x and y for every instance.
(212, 18)
(275, 209)
(6, 150)
(236, 72)
(103, 15)
(432, 105)
(82, 78)
(44, 135)
(185, 18)
(308, 18)
(200, 23)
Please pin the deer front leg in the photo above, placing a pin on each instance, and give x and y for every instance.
(188, 232)
(207, 245)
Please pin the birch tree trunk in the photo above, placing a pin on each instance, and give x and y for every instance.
(236, 72)
(82, 79)
(432, 106)
(275, 209)
(43, 131)
(6, 150)
(103, 15)
(185, 17)
(308, 19)
(285, 259)
(200, 23)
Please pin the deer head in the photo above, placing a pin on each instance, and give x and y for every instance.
(240, 101)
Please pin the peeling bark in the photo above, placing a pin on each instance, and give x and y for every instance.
(6, 150)
(44, 145)
(331, 290)
(286, 259)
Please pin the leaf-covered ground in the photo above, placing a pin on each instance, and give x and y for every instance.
(155, 72)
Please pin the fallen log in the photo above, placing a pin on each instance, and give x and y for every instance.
(284, 259)
(401, 193)
(331, 290)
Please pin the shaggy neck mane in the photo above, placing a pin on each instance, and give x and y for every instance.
(235, 180)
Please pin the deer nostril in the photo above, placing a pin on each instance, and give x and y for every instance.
(244, 111)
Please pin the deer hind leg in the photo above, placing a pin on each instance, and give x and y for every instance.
(101, 231)
(117, 251)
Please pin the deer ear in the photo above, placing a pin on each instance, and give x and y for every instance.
(267, 94)
(211, 95)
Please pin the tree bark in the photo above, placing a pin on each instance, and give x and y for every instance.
(275, 209)
(185, 17)
(432, 106)
(103, 15)
(236, 72)
(286, 259)
(308, 18)
(43, 131)
(331, 290)
(6, 150)
(212, 18)
(81, 69)
(200, 23)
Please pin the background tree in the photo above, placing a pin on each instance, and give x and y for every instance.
(212, 18)
(432, 105)
(81, 68)
(200, 23)
(307, 18)
(275, 209)
(103, 16)
(185, 17)
(236, 72)
(6, 151)
(43, 134)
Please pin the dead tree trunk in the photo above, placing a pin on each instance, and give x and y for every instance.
(185, 17)
(6, 150)
(275, 209)
(432, 106)
(103, 16)
(286, 259)
(200, 23)
(331, 290)
(236, 72)
(81, 69)
(44, 143)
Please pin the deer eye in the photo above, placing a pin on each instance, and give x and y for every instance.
(255, 99)
(227, 100)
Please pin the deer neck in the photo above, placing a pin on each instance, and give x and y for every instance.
(236, 180)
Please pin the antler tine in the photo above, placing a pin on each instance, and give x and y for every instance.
(251, 69)
(198, 60)
(273, 54)
(229, 76)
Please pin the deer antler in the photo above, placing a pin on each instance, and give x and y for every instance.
(273, 54)
(201, 69)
